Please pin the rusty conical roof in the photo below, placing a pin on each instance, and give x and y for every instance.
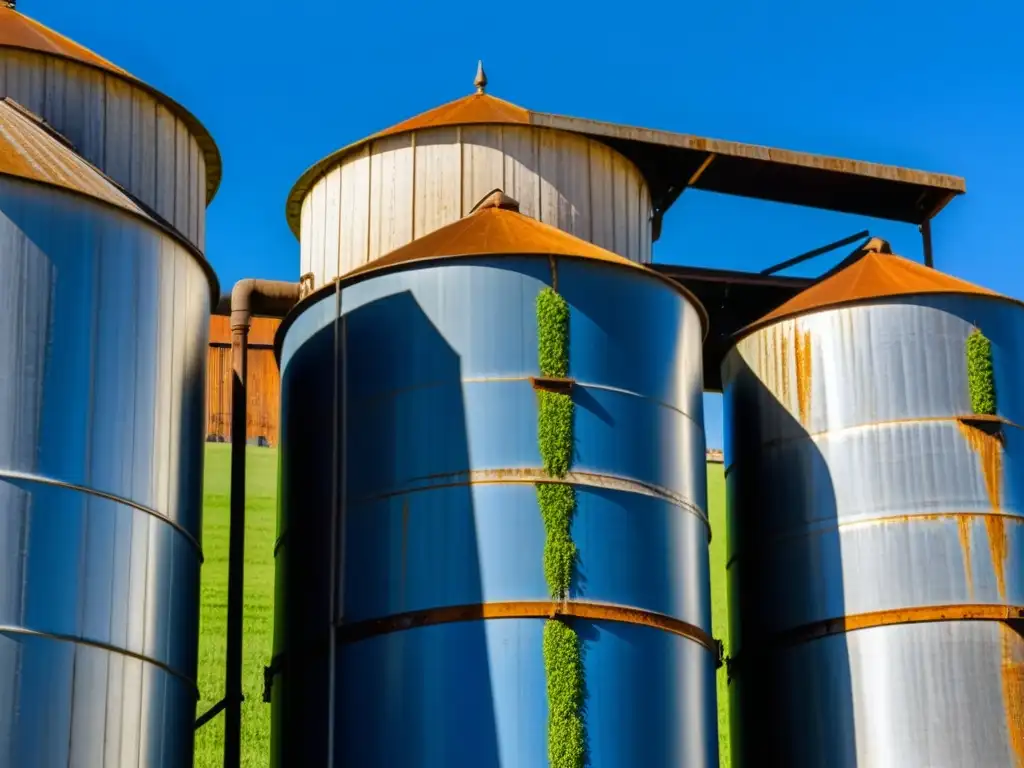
(874, 276)
(19, 32)
(496, 227)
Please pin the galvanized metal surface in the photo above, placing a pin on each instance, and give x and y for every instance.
(402, 187)
(437, 390)
(102, 351)
(853, 489)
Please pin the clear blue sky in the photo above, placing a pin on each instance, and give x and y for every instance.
(934, 86)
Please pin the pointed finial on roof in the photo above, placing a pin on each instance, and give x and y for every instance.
(496, 198)
(877, 245)
(480, 81)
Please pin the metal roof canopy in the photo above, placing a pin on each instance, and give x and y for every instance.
(671, 162)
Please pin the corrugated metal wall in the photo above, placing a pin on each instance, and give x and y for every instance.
(264, 382)
(402, 187)
(120, 128)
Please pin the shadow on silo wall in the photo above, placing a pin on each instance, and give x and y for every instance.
(302, 611)
(401, 698)
(415, 697)
(792, 704)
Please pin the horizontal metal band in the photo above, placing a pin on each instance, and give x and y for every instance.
(531, 475)
(539, 609)
(896, 616)
(6, 629)
(969, 418)
(828, 526)
(43, 480)
(529, 378)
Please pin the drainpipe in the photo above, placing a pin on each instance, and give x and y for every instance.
(265, 298)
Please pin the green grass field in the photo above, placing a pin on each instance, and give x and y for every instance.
(719, 597)
(261, 510)
(261, 524)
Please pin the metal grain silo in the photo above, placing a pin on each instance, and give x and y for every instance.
(105, 314)
(406, 181)
(875, 524)
(493, 543)
(144, 140)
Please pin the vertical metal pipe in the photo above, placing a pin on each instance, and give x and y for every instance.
(236, 558)
(268, 298)
(926, 236)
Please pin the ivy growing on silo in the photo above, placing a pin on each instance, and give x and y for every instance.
(564, 669)
(563, 664)
(980, 374)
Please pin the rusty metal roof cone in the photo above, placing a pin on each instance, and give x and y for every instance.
(480, 81)
(496, 199)
(878, 274)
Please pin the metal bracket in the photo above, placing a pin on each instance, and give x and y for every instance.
(559, 384)
(305, 285)
(269, 673)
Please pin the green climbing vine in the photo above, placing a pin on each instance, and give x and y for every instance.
(563, 664)
(564, 668)
(980, 374)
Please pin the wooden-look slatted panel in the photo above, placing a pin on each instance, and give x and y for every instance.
(120, 129)
(264, 381)
(402, 187)
(261, 330)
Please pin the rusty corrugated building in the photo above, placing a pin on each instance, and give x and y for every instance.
(264, 382)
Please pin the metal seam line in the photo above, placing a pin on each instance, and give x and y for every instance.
(892, 617)
(42, 480)
(823, 527)
(7, 629)
(531, 476)
(509, 379)
(813, 436)
(538, 609)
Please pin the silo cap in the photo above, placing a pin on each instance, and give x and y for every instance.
(19, 32)
(496, 227)
(877, 274)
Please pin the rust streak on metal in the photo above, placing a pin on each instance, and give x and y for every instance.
(783, 351)
(964, 524)
(1012, 676)
(989, 447)
(802, 354)
(996, 531)
(527, 609)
